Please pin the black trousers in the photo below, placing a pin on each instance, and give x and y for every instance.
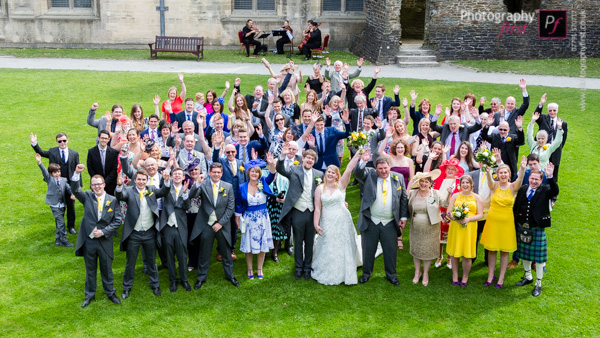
(248, 42)
(94, 255)
(174, 247)
(280, 44)
(147, 241)
(70, 204)
(307, 47)
(207, 240)
(193, 250)
(304, 235)
(387, 235)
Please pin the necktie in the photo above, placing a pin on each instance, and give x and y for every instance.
(531, 192)
(141, 195)
(58, 183)
(102, 158)
(62, 155)
(452, 144)
(153, 134)
(244, 155)
(232, 164)
(190, 157)
(322, 143)
(215, 191)
(478, 142)
(176, 192)
(189, 117)
(506, 116)
(151, 180)
(552, 130)
(360, 120)
(380, 108)
(384, 191)
(99, 205)
(503, 139)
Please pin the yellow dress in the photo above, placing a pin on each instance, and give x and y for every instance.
(462, 240)
(499, 232)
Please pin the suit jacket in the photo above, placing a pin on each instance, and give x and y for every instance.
(335, 78)
(544, 123)
(351, 93)
(354, 116)
(131, 196)
(510, 149)
(109, 222)
(147, 131)
(539, 216)
(295, 174)
(329, 155)
(180, 117)
(374, 144)
(102, 123)
(512, 117)
(53, 155)
(260, 111)
(368, 178)
(298, 130)
(463, 132)
(171, 141)
(111, 163)
(235, 180)
(175, 204)
(55, 194)
(223, 209)
(433, 209)
(182, 159)
(259, 146)
(387, 104)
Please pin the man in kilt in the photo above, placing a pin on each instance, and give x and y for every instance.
(532, 216)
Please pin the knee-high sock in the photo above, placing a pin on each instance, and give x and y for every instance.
(539, 272)
(527, 268)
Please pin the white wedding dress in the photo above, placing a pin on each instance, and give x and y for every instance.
(336, 254)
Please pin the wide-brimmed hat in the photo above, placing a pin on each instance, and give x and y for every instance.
(420, 175)
(452, 162)
(192, 165)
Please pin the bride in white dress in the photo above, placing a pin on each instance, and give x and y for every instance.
(336, 255)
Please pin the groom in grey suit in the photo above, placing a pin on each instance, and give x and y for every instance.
(300, 206)
(213, 221)
(383, 214)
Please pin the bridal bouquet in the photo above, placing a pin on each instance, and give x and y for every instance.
(358, 139)
(460, 212)
(486, 157)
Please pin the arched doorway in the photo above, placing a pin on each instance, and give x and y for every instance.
(412, 20)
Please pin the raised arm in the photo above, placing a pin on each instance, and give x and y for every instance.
(383, 144)
(90, 119)
(183, 90)
(348, 172)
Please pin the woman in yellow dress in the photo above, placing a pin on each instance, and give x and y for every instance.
(499, 230)
(462, 235)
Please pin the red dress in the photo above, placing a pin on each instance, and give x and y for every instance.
(176, 107)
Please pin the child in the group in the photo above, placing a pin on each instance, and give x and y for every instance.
(55, 198)
(199, 105)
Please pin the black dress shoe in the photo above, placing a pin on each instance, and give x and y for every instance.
(395, 281)
(234, 282)
(186, 285)
(87, 301)
(57, 243)
(353, 183)
(72, 231)
(537, 290)
(125, 294)
(65, 243)
(524, 281)
(145, 271)
(173, 287)
(198, 285)
(156, 291)
(305, 59)
(363, 279)
(113, 298)
(299, 53)
(275, 258)
(307, 275)
(298, 275)
(290, 251)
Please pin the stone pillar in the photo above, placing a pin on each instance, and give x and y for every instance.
(379, 41)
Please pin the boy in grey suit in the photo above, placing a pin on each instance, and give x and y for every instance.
(57, 186)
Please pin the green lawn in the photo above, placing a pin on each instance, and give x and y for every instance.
(212, 55)
(41, 286)
(559, 67)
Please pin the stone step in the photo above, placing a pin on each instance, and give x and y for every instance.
(412, 64)
(415, 51)
(415, 58)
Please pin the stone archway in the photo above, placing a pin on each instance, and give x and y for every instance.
(379, 40)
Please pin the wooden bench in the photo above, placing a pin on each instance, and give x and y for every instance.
(177, 44)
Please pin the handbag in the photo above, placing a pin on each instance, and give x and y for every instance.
(524, 233)
(242, 225)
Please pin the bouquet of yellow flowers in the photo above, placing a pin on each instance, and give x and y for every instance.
(358, 139)
(460, 212)
(486, 157)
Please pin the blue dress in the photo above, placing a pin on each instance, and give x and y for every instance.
(253, 208)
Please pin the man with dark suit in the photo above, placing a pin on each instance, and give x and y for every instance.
(453, 132)
(58, 190)
(299, 205)
(291, 159)
(245, 147)
(152, 131)
(547, 122)
(103, 123)
(510, 114)
(532, 213)
(101, 219)
(298, 130)
(326, 140)
(257, 103)
(507, 143)
(213, 221)
(188, 114)
(383, 215)
(381, 104)
(248, 37)
(103, 160)
(139, 228)
(68, 159)
(173, 229)
(314, 40)
(358, 114)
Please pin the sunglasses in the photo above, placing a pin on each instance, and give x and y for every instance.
(61, 141)
(277, 120)
(230, 152)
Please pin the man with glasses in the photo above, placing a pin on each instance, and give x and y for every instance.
(103, 160)
(453, 132)
(510, 112)
(68, 159)
(507, 142)
(547, 122)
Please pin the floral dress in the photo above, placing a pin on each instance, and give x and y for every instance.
(258, 237)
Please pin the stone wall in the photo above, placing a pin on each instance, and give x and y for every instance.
(380, 39)
(454, 38)
(114, 23)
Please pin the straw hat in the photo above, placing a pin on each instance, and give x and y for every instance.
(420, 175)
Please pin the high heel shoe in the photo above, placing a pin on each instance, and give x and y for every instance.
(259, 273)
(490, 283)
(438, 263)
(250, 274)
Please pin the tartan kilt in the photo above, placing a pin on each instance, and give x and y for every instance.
(536, 251)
